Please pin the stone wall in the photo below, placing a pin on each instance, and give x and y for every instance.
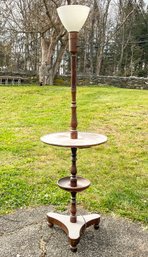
(17, 78)
(10, 80)
(123, 82)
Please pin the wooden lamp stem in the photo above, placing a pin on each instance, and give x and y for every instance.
(73, 183)
(73, 50)
(73, 133)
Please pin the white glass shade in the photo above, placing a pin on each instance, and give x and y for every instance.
(73, 17)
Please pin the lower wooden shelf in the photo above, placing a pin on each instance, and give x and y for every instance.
(82, 184)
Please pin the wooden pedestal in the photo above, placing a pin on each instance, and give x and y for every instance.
(73, 230)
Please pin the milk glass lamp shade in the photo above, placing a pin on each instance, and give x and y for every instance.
(73, 17)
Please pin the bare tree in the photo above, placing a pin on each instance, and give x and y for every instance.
(32, 32)
(38, 18)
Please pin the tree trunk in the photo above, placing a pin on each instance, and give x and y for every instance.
(103, 29)
(49, 65)
(43, 66)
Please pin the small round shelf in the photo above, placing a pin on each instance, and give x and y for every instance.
(84, 139)
(82, 184)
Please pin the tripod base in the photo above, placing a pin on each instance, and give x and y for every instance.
(73, 230)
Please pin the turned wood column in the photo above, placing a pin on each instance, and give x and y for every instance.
(73, 50)
(73, 183)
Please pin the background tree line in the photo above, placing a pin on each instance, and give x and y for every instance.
(114, 40)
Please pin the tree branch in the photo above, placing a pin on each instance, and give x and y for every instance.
(124, 21)
(54, 3)
(48, 14)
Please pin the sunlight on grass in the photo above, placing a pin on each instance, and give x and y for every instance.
(117, 170)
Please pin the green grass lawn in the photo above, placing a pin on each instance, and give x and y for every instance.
(117, 170)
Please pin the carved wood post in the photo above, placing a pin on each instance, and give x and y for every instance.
(73, 50)
(73, 183)
(73, 178)
(73, 133)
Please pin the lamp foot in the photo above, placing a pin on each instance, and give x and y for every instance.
(73, 230)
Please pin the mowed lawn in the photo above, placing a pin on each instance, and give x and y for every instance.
(117, 170)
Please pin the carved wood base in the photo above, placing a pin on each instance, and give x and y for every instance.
(73, 230)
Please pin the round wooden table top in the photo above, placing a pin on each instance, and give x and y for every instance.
(84, 139)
